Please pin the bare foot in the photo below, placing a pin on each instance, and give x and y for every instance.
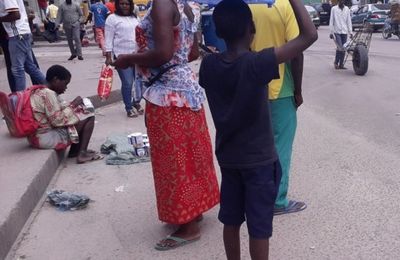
(88, 156)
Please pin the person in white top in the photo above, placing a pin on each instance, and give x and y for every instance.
(340, 26)
(120, 39)
(15, 21)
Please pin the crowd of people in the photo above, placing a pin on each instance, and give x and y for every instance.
(253, 90)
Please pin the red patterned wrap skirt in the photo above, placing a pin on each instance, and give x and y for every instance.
(181, 155)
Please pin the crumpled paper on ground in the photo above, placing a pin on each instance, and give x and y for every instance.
(65, 200)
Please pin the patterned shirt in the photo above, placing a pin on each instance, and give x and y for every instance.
(178, 86)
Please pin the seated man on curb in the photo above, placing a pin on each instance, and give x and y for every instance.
(61, 124)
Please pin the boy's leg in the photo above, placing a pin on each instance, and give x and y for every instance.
(231, 212)
(232, 242)
(261, 188)
(259, 249)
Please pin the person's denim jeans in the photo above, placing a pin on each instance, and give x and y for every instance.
(340, 53)
(22, 60)
(127, 77)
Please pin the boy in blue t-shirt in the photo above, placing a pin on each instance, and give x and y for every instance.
(100, 12)
(235, 82)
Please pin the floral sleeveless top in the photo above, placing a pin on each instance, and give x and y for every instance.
(179, 85)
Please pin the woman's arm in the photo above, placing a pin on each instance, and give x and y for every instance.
(163, 15)
(109, 31)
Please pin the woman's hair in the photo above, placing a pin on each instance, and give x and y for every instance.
(59, 72)
(119, 12)
(232, 18)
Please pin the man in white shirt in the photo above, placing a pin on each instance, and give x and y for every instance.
(340, 26)
(15, 22)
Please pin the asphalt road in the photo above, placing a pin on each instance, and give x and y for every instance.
(345, 166)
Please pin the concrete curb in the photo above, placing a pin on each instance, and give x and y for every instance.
(18, 216)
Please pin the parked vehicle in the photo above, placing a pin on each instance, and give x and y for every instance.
(374, 14)
(324, 11)
(388, 30)
(313, 15)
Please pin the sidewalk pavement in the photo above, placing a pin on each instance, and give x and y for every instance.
(25, 172)
(22, 187)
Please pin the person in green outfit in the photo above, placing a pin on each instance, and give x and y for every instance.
(275, 26)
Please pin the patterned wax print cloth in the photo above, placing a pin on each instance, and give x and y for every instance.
(181, 155)
(178, 86)
(56, 119)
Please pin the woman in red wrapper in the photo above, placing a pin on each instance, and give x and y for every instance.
(181, 153)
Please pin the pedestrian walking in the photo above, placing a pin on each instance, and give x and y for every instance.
(120, 39)
(111, 6)
(275, 27)
(70, 16)
(15, 22)
(42, 9)
(340, 26)
(7, 59)
(51, 33)
(235, 83)
(99, 12)
(181, 154)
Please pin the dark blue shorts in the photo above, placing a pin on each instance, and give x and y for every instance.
(249, 195)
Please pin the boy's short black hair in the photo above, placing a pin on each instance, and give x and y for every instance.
(232, 18)
(59, 72)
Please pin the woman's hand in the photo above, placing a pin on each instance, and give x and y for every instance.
(108, 60)
(121, 62)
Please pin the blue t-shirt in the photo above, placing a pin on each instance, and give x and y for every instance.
(239, 105)
(99, 12)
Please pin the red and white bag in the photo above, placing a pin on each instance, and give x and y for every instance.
(105, 82)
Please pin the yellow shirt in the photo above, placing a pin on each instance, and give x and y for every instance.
(275, 26)
(52, 11)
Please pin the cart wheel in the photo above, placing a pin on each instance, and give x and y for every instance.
(386, 33)
(360, 60)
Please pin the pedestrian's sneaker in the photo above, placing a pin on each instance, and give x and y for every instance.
(132, 113)
(72, 57)
(80, 58)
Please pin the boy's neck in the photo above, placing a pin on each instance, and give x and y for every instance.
(235, 50)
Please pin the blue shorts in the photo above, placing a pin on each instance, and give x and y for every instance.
(249, 195)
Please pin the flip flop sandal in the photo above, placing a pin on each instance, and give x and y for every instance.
(179, 242)
(292, 207)
(95, 157)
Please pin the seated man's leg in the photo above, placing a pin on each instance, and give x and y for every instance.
(85, 130)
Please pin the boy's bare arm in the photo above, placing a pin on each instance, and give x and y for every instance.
(297, 72)
(308, 35)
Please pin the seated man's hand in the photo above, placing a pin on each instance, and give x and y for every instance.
(77, 101)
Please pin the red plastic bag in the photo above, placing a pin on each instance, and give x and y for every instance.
(105, 82)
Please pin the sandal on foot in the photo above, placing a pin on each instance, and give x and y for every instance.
(132, 113)
(139, 109)
(178, 243)
(292, 207)
(93, 157)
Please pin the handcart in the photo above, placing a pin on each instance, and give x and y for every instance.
(358, 48)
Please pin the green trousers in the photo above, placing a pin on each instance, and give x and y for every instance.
(284, 123)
